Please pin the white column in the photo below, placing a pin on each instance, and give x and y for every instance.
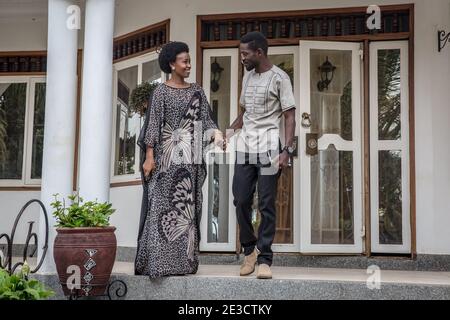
(96, 112)
(60, 117)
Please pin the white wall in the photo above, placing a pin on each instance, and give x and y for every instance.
(10, 204)
(23, 35)
(432, 84)
(432, 96)
(127, 202)
(27, 30)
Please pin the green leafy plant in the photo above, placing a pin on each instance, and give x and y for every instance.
(81, 214)
(19, 287)
(139, 97)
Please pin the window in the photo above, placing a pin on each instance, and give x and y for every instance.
(390, 217)
(22, 112)
(219, 222)
(126, 123)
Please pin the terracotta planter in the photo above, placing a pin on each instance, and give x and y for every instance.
(93, 250)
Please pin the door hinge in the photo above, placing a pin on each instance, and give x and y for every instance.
(363, 232)
(361, 54)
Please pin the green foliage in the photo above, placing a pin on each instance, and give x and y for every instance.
(139, 97)
(19, 287)
(390, 197)
(389, 128)
(81, 214)
(389, 95)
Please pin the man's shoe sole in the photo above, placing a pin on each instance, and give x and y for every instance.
(247, 274)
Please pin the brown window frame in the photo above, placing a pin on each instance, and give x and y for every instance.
(141, 41)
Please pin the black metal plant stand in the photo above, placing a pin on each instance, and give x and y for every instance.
(7, 262)
(115, 289)
(443, 39)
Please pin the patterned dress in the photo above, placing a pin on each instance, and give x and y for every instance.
(178, 120)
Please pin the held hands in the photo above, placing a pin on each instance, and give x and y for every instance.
(219, 140)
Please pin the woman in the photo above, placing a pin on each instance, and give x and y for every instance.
(179, 117)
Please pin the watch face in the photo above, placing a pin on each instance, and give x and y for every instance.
(289, 150)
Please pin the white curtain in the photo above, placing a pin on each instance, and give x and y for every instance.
(325, 175)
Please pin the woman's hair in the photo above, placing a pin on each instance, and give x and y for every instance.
(168, 54)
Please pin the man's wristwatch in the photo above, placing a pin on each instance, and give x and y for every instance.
(289, 150)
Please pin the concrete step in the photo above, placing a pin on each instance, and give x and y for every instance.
(421, 263)
(216, 282)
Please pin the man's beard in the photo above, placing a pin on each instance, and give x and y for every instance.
(249, 67)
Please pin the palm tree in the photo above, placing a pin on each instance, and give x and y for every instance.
(389, 128)
(389, 106)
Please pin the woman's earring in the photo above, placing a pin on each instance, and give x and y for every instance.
(173, 68)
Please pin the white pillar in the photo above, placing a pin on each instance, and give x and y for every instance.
(96, 112)
(60, 117)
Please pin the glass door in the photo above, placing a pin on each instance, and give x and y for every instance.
(220, 82)
(330, 147)
(287, 234)
(287, 229)
(389, 147)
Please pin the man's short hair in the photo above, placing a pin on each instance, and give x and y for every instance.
(256, 40)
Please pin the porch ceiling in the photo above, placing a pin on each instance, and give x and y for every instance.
(23, 10)
(26, 10)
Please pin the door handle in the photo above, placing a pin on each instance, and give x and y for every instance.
(312, 144)
(306, 120)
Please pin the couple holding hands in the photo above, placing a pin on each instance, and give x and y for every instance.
(169, 230)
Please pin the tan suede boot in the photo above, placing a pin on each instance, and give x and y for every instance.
(264, 272)
(248, 267)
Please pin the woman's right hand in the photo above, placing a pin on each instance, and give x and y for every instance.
(148, 166)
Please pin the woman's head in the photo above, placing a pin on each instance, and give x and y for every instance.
(174, 58)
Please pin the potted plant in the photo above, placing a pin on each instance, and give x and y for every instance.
(20, 287)
(140, 96)
(85, 246)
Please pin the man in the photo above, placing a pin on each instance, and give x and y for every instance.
(266, 96)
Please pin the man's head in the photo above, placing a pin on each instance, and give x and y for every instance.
(253, 49)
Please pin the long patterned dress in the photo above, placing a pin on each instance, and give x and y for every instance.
(179, 119)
